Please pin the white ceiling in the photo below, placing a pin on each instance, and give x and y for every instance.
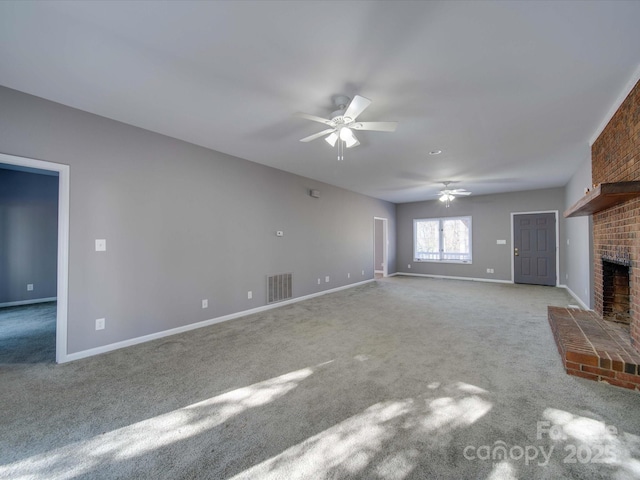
(511, 92)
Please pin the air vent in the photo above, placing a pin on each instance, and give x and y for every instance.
(279, 287)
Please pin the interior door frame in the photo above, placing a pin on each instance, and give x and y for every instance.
(555, 212)
(385, 245)
(63, 243)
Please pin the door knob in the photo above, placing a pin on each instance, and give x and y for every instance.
(515, 252)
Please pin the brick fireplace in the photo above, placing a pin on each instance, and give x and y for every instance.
(604, 344)
(615, 157)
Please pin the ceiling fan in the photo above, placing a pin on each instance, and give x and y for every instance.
(447, 195)
(343, 122)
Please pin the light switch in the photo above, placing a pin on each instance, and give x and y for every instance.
(501, 242)
(101, 245)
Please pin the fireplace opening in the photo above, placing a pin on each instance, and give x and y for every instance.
(616, 298)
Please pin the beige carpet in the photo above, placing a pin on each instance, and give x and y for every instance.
(401, 378)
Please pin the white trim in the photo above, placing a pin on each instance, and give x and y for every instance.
(63, 243)
(27, 302)
(205, 323)
(576, 297)
(557, 242)
(447, 277)
(616, 105)
(385, 246)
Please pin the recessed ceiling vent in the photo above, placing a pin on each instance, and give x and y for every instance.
(279, 287)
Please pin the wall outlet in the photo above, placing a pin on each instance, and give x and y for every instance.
(249, 294)
(409, 266)
(362, 272)
(567, 241)
(101, 245)
(326, 279)
(489, 270)
(205, 303)
(29, 287)
(319, 282)
(100, 322)
(348, 275)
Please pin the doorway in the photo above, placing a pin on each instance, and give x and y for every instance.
(380, 247)
(535, 252)
(62, 253)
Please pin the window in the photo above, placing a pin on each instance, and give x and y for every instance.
(442, 240)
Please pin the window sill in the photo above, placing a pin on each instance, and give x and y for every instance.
(463, 262)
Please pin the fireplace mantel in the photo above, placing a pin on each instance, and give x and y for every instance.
(605, 195)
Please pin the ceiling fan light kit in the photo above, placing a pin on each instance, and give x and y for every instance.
(343, 123)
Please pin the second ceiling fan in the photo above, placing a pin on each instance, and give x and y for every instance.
(343, 122)
(446, 195)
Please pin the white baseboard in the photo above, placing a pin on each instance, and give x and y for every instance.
(447, 277)
(575, 297)
(205, 323)
(28, 302)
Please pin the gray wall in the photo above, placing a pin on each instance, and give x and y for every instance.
(182, 223)
(28, 235)
(491, 217)
(579, 243)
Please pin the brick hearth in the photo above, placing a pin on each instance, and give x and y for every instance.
(594, 348)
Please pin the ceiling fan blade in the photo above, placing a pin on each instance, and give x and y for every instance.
(314, 118)
(317, 135)
(356, 107)
(460, 192)
(375, 126)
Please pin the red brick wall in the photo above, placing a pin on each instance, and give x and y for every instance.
(615, 157)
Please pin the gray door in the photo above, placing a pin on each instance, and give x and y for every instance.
(534, 248)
